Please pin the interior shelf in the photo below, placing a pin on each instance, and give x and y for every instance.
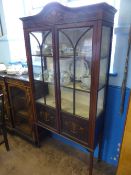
(65, 56)
(67, 106)
(77, 86)
(50, 101)
(62, 56)
(23, 113)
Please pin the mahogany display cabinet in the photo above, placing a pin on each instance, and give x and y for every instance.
(68, 55)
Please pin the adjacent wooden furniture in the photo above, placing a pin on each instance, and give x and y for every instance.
(2, 123)
(7, 112)
(68, 54)
(21, 107)
(18, 108)
(124, 165)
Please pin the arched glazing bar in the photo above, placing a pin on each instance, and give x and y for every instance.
(40, 46)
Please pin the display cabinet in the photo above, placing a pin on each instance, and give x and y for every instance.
(7, 112)
(21, 108)
(68, 54)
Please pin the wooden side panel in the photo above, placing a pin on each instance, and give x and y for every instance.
(124, 167)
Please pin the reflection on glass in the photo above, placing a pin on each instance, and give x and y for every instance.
(43, 68)
(75, 55)
(100, 101)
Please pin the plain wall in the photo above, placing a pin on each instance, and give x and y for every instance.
(4, 46)
(122, 44)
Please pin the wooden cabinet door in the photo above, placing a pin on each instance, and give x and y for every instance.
(21, 107)
(124, 166)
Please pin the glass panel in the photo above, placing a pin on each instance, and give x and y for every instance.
(43, 67)
(75, 54)
(104, 61)
(100, 101)
(21, 113)
(67, 100)
(82, 102)
(105, 46)
(103, 72)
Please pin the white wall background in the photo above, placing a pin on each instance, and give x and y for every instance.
(4, 46)
(122, 43)
(12, 11)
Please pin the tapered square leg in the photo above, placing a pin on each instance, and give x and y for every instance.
(5, 138)
(100, 149)
(91, 163)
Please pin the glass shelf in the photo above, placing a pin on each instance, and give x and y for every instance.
(77, 87)
(70, 86)
(50, 101)
(49, 55)
(61, 56)
(67, 106)
(23, 113)
(39, 55)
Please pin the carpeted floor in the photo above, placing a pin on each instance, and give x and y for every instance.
(53, 158)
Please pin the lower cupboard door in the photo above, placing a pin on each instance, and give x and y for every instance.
(74, 128)
(46, 116)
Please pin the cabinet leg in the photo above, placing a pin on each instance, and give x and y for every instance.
(91, 163)
(100, 149)
(37, 137)
(5, 139)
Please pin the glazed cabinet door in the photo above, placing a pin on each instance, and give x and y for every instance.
(21, 107)
(75, 61)
(43, 68)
